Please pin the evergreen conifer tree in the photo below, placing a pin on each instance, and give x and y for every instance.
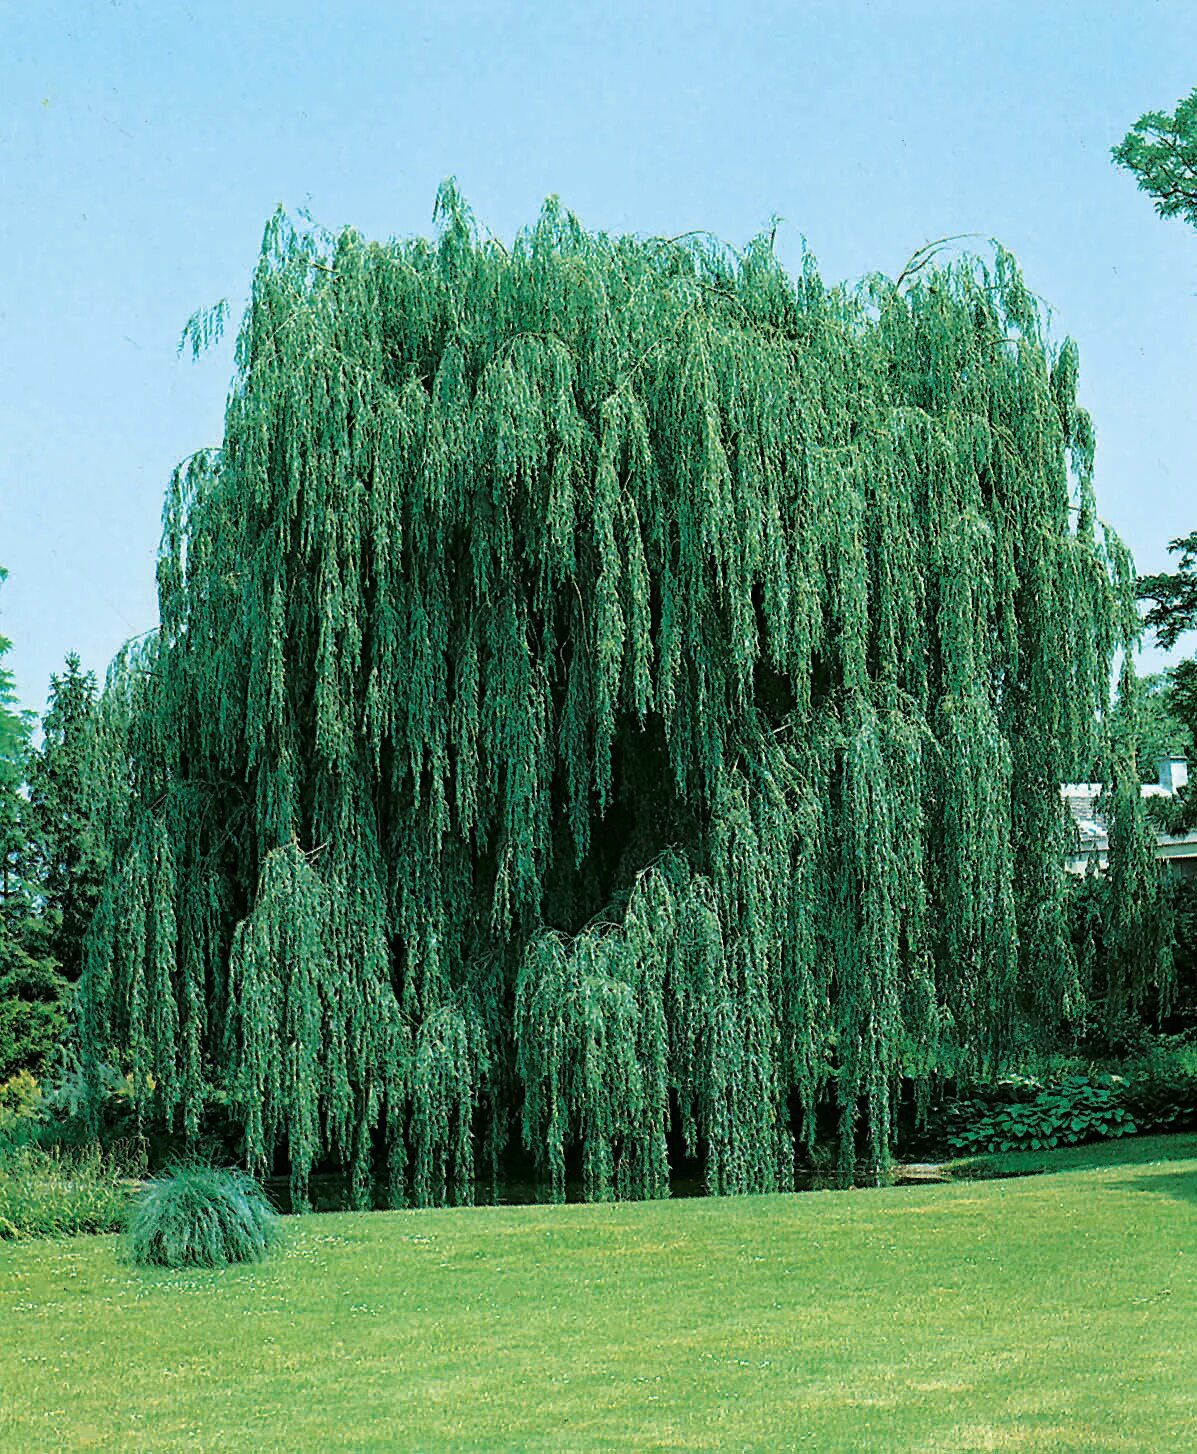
(60, 849)
(32, 995)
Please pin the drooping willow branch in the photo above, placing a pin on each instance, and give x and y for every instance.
(677, 661)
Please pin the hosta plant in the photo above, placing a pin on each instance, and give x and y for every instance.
(1079, 1108)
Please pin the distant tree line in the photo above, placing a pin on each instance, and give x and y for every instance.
(49, 865)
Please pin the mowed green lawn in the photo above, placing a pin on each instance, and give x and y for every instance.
(1053, 1312)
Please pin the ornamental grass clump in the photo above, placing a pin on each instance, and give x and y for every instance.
(201, 1216)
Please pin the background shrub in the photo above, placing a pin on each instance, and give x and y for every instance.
(34, 1001)
(1161, 1085)
(200, 1216)
(58, 1193)
(1018, 1114)
(1151, 1086)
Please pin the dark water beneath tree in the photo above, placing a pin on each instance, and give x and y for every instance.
(332, 1192)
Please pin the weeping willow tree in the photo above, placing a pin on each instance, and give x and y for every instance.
(609, 693)
(1124, 920)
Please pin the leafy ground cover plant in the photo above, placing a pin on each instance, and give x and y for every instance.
(200, 1216)
(1023, 1115)
(1161, 1085)
(57, 1193)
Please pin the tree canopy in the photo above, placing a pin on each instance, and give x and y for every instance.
(60, 850)
(1160, 150)
(32, 994)
(1162, 727)
(611, 692)
(1173, 594)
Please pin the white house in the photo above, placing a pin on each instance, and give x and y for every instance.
(1179, 851)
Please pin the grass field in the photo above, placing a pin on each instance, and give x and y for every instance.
(1053, 1312)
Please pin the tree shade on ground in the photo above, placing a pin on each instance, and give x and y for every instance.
(608, 692)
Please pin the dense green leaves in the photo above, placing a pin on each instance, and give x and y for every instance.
(1161, 151)
(1173, 595)
(61, 851)
(1024, 1115)
(607, 688)
(34, 1002)
(1163, 723)
(33, 995)
(14, 749)
(1137, 928)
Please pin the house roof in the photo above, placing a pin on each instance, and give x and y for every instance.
(1083, 801)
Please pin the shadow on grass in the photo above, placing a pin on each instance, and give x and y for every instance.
(1179, 1184)
(1128, 1151)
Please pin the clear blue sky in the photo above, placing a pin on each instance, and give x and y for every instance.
(143, 145)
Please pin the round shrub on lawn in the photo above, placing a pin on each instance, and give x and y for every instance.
(201, 1216)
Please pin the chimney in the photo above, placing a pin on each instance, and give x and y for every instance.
(1173, 773)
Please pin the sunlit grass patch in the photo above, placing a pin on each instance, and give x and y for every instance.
(1047, 1313)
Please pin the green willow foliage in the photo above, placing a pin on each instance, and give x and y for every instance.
(1135, 966)
(607, 691)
